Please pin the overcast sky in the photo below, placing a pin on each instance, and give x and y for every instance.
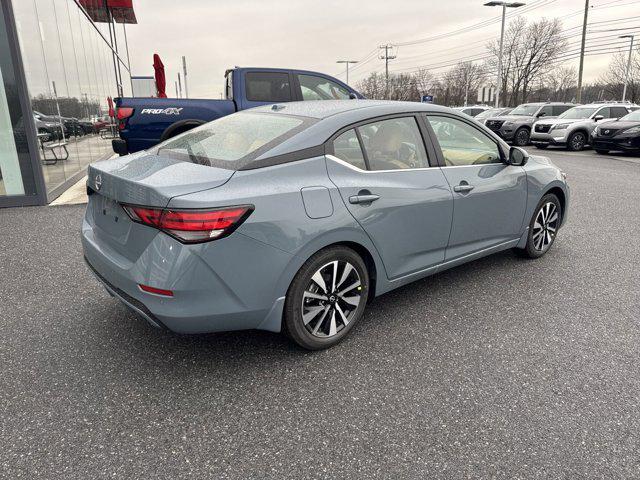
(217, 34)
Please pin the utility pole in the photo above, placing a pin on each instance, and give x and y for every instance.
(504, 6)
(386, 57)
(176, 82)
(179, 85)
(626, 75)
(584, 39)
(184, 70)
(347, 62)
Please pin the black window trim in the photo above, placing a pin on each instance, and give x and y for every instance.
(502, 147)
(417, 116)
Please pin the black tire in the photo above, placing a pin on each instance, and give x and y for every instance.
(542, 147)
(49, 136)
(602, 152)
(577, 141)
(293, 323)
(531, 250)
(521, 137)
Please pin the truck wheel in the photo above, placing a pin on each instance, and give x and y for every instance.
(521, 137)
(577, 142)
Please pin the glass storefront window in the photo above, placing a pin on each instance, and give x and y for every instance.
(16, 175)
(69, 70)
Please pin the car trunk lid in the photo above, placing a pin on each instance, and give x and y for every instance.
(152, 180)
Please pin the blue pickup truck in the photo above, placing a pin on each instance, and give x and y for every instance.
(144, 122)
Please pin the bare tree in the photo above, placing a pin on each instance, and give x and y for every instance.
(613, 79)
(529, 52)
(561, 83)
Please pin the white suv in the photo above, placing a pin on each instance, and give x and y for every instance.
(573, 128)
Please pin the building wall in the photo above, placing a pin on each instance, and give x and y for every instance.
(69, 70)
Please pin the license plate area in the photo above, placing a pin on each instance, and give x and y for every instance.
(110, 217)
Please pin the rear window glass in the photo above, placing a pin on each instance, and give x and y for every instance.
(235, 140)
(269, 87)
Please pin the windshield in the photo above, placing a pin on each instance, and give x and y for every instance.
(525, 109)
(577, 113)
(632, 117)
(233, 141)
(492, 112)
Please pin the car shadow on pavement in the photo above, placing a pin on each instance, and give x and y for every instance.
(152, 346)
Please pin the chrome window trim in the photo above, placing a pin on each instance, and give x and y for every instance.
(352, 167)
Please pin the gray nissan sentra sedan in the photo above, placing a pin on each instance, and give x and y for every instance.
(291, 217)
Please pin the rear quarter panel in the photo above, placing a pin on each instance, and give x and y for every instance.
(280, 219)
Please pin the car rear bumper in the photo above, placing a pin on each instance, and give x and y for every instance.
(213, 289)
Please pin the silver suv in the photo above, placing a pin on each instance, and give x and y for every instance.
(516, 127)
(573, 128)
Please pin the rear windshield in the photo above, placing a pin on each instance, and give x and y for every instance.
(233, 141)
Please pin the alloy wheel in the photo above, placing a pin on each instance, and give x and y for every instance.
(545, 226)
(577, 142)
(331, 298)
(522, 137)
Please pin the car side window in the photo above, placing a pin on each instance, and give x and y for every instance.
(394, 144)
(462, 144)
(268, 87)
(546, 111)
(319, 88)
(347, 147)
(559, 109)
(605, 112)
(617, 112)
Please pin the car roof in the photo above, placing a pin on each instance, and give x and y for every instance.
(333, 115)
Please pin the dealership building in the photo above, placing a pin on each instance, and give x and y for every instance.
(61, 62)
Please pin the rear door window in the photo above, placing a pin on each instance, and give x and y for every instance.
(560, 109)
(269, 87)
(617, 112)
(605, 112)
(394, 144)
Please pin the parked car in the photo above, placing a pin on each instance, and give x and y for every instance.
(621, 135)
(48, 131)
(143, 122)
(473, 110)
(292, 217)
(492, 112)
(573, 128)
(516, 127)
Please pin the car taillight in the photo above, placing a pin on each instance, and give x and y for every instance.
(123, 113)
(191, 226)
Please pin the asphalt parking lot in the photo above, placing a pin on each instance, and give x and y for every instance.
(502, 368)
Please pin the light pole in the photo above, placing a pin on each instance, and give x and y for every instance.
(626, 75)
(347, 62)
(504, 6)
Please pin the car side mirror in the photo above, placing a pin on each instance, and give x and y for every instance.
(518, 157)
(597, 118)
(353, 96)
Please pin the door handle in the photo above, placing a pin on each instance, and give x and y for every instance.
(463, 188)
(368, 198)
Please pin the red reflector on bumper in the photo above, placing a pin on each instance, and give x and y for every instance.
(156, 291)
